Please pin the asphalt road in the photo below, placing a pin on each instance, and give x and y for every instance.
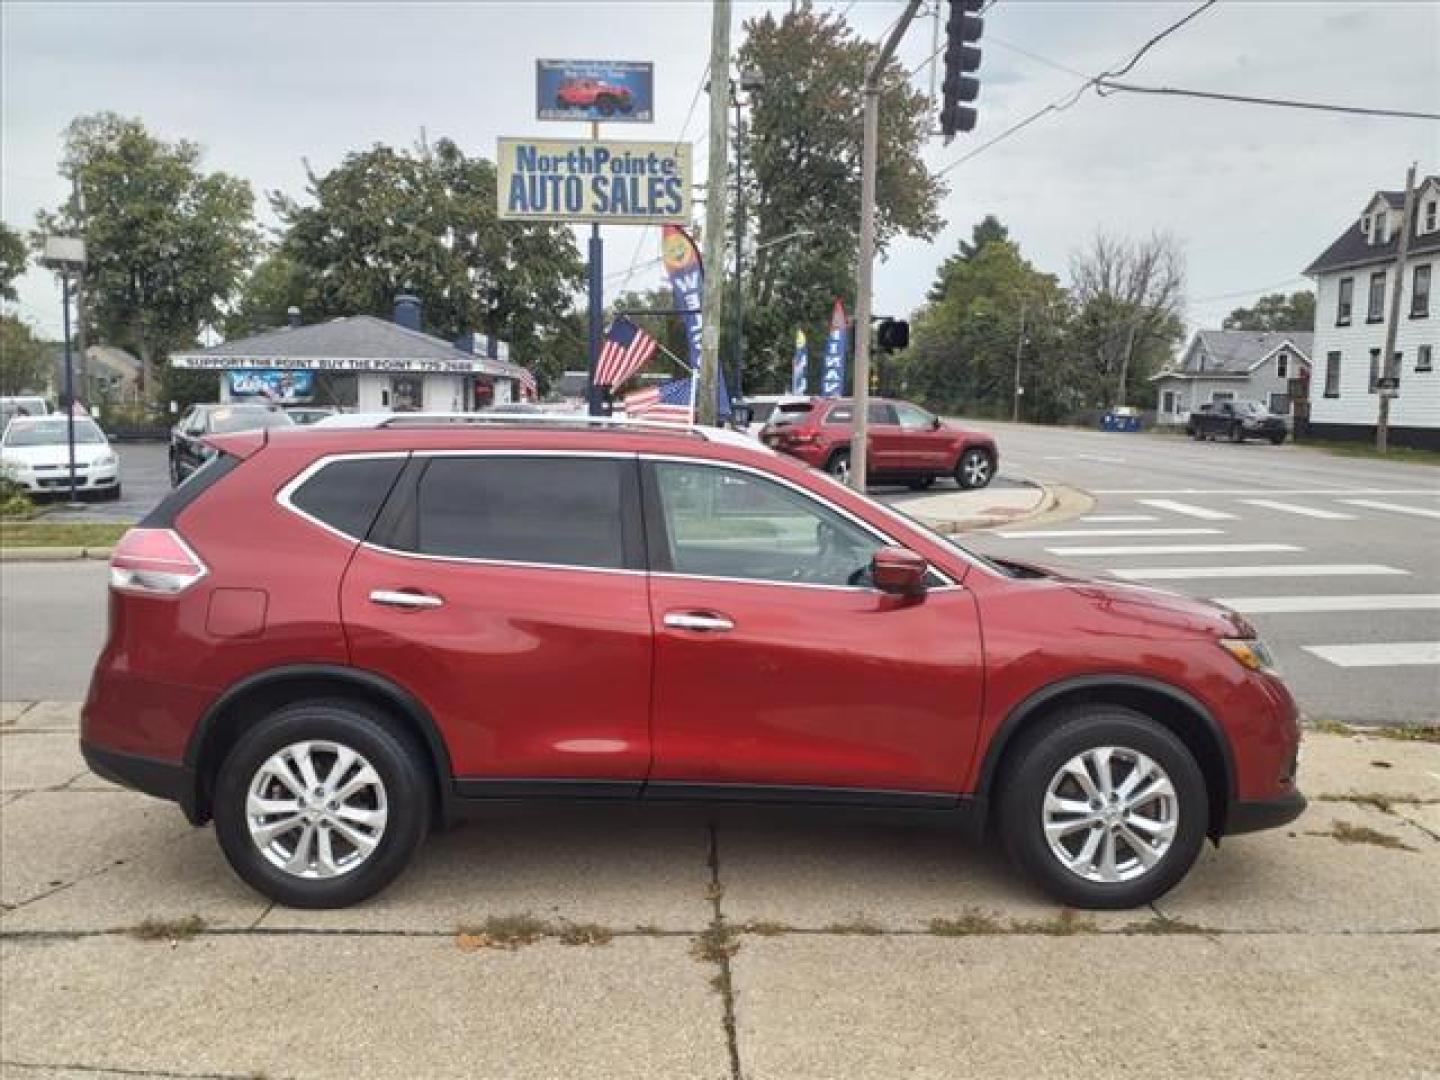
(1336, 560)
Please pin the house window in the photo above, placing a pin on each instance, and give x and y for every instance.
(1218, 396)
(1332, 374)
(1420, 293)
(1282, 365)
(1374, 368)
(1167, 403)
(1280, 404)
(1347, 301)
(1376, 311)
(1423, 358)
(1432, 209)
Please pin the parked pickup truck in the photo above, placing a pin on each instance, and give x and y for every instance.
(1236, 421)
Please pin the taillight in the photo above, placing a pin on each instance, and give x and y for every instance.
(154, 561)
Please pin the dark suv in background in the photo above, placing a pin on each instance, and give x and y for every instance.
(188, 449)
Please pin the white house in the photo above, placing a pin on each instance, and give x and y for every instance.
(1234, 365)
(1354, 278)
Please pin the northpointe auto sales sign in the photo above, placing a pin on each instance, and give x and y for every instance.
(638, 183)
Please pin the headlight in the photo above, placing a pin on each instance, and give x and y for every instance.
(105, 460)
(1251, 652)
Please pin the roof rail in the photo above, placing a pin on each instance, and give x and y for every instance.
(500, 419)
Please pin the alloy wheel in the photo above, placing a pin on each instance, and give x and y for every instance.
(316, 809)
(976, 468)
(840, 468)
(1110, 814)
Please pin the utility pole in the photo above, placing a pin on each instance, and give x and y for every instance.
(78, 198)
(1019, 349)
(1388, 367)
(713, 306)
(870, 152)
(595, 395)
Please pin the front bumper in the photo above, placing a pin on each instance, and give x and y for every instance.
(171, 780)
(1248, 817)
(54, 481)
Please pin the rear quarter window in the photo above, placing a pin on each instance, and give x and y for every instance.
(347, 494)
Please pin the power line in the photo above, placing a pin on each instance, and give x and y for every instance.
(1060, 104)
(1248, 292)
(1102, 85)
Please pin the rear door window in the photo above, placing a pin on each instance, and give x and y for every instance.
(557, 511)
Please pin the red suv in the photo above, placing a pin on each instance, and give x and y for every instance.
(331, 638)
(593, 94)
(907, 444)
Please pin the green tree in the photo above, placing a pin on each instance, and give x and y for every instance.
(273, 286)
(166, 242)
(802, 175)
(389, 221)
(986, 230)
(24, 358)
(12, 260)
(1276, 312)
(964, 340)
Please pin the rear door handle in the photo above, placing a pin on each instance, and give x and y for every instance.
(704, 621)
(404, 598)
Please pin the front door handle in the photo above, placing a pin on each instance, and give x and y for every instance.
(404, 598)
(707, 622)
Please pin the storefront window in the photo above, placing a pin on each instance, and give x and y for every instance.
(407, 393)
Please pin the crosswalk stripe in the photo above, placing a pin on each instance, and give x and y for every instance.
(1115, 519)
(1202, 512)
(1267, 491)
(1172, 549)
(1397, 508)
(1303, 511)
(1296, 605)
(1387, 654)
(1181, 573)
(1061, 534)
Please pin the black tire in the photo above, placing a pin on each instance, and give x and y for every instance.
(1029, 769)
(400, 764)
(975, 469)
(839, 465)
(113, 494)
(175, 476)
(1276, 440)
(923, 483)
(1196, 434)
(606, 106)
(1237, 433)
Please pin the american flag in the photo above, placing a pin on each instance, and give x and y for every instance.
(627, 349)
(528, 388)
(668, 403)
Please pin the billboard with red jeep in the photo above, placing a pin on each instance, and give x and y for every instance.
(600, 90)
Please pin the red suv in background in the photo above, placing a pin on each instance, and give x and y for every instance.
(330, 638)
(907, 444)
(593, 94)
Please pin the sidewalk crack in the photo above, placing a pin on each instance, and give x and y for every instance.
(719, 943)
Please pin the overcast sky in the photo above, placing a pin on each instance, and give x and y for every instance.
(1252, 193)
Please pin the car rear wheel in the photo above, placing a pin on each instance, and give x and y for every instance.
(1277, 439)
(321, 804)
(839, 466)
(1103, 808)
(974, 469)
(1237, 433)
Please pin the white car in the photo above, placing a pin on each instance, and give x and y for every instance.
(34, 454)
(763, 408)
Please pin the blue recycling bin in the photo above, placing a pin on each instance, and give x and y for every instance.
(1120, 421)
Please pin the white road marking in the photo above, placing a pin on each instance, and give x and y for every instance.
(1266, 491)
(1115, 519)
(1397, 508)
(1390, 654)
(1180, 573)
(1060, 534)
(1204, 513)
(1296, 605)
(1172, 549)
(1303, 511)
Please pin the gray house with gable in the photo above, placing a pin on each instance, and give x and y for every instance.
(1271, 367)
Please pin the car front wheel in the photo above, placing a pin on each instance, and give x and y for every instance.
(974, 469)
(1104, 808)
(839, 466)
(321, 804)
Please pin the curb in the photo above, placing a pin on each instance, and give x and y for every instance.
(1058, 502)
(53, 554)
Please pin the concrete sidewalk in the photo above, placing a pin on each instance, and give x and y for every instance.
(669, 945)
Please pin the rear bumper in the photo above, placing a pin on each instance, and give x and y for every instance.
(170, 780)
(1248, 817)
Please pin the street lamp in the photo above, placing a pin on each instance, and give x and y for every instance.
(749, 82)
(66, 255)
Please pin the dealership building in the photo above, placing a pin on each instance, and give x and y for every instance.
(363, 363)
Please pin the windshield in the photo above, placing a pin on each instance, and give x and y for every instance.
(50, 432)
(1250, 407)
(761, 411)
(228, 421)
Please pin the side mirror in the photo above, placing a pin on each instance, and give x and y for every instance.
(899, 571)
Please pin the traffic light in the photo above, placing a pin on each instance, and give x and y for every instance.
(961, 57)
(891, 335)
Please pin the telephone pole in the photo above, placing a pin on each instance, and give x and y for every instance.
(1388, 367)
(712, 307)
(870, 152)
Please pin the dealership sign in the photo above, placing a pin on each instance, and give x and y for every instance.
(594, 90)
(405, 366)
(640, 183)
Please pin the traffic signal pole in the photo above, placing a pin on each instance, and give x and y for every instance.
(869, 155)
